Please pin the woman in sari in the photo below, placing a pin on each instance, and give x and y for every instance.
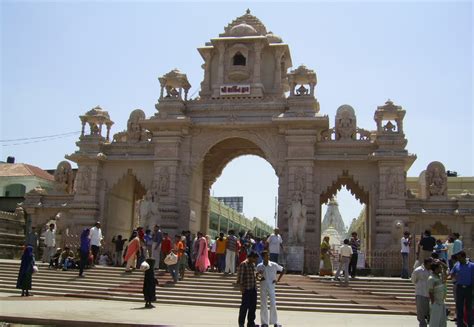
(202, 259)
(26, 271)
(326, 269)
(132, 249)
(84, 250)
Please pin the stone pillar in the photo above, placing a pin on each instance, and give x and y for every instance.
(220, 71)
(300, 162)
(206, 194)
(257, 63)
(277, 77)
(166, 164)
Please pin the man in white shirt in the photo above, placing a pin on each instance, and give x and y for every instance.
(96, 239)
(345, 254)
(419, 277)
(275, 244)
(50, 244)
(267, 271)
(405, 243)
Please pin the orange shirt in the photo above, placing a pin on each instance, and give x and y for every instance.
(179, 247)
(221, 245)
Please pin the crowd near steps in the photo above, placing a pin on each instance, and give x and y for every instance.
(295, 292)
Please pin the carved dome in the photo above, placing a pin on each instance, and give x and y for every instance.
(243, 29)
(273, 38)
(98, 112)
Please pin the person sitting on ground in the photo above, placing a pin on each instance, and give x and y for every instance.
(105, 259)
(67, 258)
(55, 259)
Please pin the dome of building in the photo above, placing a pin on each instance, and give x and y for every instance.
(243, 29)
(335, 238)
(273, 38)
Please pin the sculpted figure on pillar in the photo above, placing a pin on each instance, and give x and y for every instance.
(147, 209)
(436, 179)
(296, 219)
(392, 183)
(63, 176)
(164, 181)
(300, 180)
(82, 185)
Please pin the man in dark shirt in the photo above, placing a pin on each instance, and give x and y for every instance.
(248, 287)
(426, 245)
(355, 245)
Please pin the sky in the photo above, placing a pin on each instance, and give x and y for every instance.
(60, 59)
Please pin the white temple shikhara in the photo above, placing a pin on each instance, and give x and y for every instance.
(161, 168)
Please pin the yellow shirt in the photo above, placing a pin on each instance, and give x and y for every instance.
(221, 245)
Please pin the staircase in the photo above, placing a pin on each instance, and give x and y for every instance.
(295, 293)
(394, 293)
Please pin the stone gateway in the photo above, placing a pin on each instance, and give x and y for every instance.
(161, 168)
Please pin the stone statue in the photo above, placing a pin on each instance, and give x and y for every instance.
(148, 209)
(94, 129)
(436, 179)
(346, 123)
(300, 180)
(135, 133)
(164, 181)
(302, 90)
(83, 180)
(63, 176)
(296, 219)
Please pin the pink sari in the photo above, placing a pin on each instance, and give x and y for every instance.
(202, 261)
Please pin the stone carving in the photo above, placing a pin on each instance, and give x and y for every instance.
(389, 127)
(302, 76)
(82, 184)
(346, 123)
(135, 132)
(64, 176)
(174, 83)
(148, 209)
(164, 181)
(300, 180)
(302, 90)
(392, 184)
(436, 179)
(296, 219)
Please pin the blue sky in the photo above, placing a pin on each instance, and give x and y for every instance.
(59, 59)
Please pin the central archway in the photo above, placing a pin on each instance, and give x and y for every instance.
(207, 172)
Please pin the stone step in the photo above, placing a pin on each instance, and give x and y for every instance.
(210, 289)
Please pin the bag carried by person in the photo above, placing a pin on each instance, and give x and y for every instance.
(171, 259)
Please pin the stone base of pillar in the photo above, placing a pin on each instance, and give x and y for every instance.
(294, 258)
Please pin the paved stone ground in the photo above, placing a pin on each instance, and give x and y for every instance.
(73, 312)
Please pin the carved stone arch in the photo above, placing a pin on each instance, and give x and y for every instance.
(142, 180)
(266, 143)
(360, 192)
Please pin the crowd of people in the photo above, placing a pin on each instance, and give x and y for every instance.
(254, 260)
(437, 263)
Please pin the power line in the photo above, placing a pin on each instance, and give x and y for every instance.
(39, 137)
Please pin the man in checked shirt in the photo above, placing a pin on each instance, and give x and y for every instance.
(248, 288)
